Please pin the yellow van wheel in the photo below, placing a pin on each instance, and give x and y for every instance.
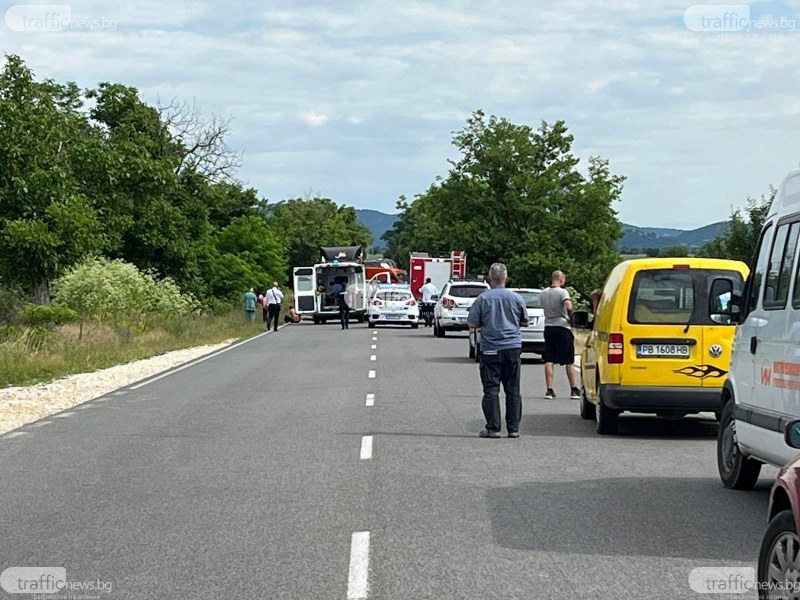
(607, 418)
(587, 408)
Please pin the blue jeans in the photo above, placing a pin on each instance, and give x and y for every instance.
(503, 369)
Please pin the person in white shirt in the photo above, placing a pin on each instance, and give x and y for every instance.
(273, 299)
(426, 310)
(428, 290)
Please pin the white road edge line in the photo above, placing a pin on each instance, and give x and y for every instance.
(199, 360)
(366, 447)
(373, 357)
(358, 577)
(370, 399)
(14, 434)
(63, 415)
(371, 375)
(41, 423)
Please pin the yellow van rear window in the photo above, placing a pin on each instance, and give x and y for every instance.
(662, 296)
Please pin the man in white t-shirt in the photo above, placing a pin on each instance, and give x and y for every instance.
(272, 300)
(428, 291)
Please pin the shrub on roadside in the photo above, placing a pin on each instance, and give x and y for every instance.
(116, 292)
(12, 300)
(34, 315)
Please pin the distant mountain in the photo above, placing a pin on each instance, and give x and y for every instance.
(633, 239)
(378, 223)
(638, 238)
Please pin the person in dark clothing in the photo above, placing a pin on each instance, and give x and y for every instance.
(500, 313)
(344, 309)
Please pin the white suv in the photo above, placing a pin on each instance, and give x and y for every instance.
(452, 308)
(762, 393)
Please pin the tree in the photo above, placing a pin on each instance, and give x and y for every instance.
(740, 239)
(306, 224)
(46, 221)
(247, 253)
(516, 196)
(674, 251)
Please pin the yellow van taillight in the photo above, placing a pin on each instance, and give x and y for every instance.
(616, 348)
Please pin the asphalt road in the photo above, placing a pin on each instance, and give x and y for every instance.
(247, 476)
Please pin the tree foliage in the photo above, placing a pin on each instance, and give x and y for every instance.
(740, 239)
(305, 224)
(516, 196)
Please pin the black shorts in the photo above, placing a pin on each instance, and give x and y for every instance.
(559, 345)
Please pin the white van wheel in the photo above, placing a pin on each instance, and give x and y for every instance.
(736, 470)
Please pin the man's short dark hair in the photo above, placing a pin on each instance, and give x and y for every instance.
(428, 280)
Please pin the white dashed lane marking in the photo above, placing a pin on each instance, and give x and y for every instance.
(373, 357)
(371, 375)
(366, 447)
(374, 346)
(370, 399)
(358, 577)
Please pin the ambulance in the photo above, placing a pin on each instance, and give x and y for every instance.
(313, 286)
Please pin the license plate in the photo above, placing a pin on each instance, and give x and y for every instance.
(393, 316)
(663, 351)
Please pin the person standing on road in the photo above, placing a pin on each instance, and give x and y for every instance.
(344, 308)
(273, 298)
(428, 291)
(500, 313)
(250, 300)
(559, 343)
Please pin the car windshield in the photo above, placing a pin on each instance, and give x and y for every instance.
(531, 299)
(466, 291)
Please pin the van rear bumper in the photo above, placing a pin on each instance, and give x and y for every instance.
(655, 399)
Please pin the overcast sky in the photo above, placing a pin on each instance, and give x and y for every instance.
(357, 100)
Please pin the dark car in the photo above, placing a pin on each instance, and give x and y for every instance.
(779, 558)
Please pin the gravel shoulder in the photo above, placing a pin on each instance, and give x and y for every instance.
(25, 404)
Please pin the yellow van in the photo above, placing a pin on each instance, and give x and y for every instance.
(661, 339)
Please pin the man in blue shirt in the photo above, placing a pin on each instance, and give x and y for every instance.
(500, 313)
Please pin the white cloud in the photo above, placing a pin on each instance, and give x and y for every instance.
(315, 119)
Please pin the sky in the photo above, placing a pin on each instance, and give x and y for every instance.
(358, 100)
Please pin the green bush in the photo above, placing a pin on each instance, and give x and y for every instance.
(34, 315)
(12, 300)
(116, 292)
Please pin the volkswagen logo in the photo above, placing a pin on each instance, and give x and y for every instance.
(715, 351)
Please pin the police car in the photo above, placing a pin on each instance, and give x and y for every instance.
(393, 304)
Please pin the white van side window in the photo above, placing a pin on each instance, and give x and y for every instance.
(781, 263)
(760, 267)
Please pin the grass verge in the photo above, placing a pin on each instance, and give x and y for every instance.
(35, 355)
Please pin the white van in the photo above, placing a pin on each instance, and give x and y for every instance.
(762, 392)
(313, 293)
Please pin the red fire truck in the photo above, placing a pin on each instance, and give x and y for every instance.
(439, 268)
